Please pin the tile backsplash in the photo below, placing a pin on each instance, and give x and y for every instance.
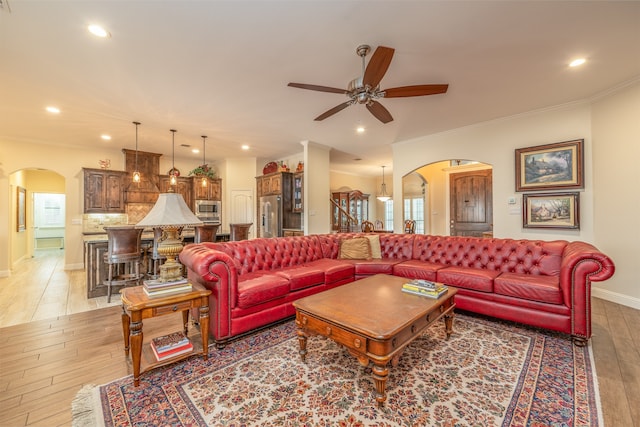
(95, 223)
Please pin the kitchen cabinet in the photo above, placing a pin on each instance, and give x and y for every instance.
(104, 191)
(279, 184)
(184, 186)
(213, 190)
(272, 184)
(355, 204)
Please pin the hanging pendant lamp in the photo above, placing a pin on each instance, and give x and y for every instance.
(204, 181)
(383, 196)
(136, 173)
(173, 173)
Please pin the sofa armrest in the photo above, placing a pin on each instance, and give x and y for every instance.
(216, 271)
(582, 263)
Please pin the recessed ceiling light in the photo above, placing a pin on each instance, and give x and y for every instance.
(195, 150)
(577, 62)
(360, 129)
(106, 137)
(52, 109)
(245, 147)
(98, 31)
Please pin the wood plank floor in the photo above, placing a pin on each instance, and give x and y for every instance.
(43, 363)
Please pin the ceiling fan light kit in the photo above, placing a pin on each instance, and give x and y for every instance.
(366, 88)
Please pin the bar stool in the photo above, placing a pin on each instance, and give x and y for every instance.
(156, 259)
(205, 233)
(123, 256)
(239, 231)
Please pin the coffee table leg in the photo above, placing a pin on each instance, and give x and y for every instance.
(448, 323)
(380, 375)
(302, 340)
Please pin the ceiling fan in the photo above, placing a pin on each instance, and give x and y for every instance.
(366, 88)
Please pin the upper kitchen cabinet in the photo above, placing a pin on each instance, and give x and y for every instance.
(184, 186)
(104, 191)
(212, 191)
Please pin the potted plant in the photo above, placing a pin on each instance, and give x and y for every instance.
(203, 170)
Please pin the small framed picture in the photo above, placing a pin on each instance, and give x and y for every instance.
(21, 216)
(550, 167)
(553, 210)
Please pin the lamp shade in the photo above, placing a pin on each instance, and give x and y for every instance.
(170, 210)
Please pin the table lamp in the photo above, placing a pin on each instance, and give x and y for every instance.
(170, 213)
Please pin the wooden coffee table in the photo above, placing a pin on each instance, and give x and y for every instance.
(373, 319)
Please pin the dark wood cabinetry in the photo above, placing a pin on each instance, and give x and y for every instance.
(355, 204)
(279, 184)
(298, 192)
(104, 191)
(184, 186)
(212, 191)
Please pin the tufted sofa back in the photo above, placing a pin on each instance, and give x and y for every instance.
(271, 253)
(535, 257)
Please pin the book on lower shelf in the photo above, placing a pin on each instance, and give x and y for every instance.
(172, 340)
(187, 347)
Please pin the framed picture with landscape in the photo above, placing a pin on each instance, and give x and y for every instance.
(550, 166)
(551, 210)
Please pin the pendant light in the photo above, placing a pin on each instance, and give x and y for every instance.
(383, 196)
(204, 181)
(136, 173)
(174, 172)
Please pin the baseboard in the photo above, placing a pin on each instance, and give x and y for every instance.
(74, 266)
(616, 297)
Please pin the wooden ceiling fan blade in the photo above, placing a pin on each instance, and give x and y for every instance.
(379, 111)
(417, 90)
(332, 111)
(317, 88)
(378, 66)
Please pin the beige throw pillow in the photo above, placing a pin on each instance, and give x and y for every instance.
(356, 248)
(374, 241)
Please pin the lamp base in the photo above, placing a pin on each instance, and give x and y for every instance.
(170, 247)
(170, 271)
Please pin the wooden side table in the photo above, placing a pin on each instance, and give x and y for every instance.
(136, 305)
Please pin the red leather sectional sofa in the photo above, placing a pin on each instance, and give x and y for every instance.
(540, 283)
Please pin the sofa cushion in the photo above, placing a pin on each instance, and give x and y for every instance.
(416, 269)
(468, 278)
(375, 266)
(528, 286)
(256, 288)
(374, 242)
(355, 248)
(302, 276)
(334, 270)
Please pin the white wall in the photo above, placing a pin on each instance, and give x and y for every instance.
(616, 188)
(615, 126)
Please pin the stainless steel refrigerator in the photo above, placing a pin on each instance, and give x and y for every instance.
(270, 216)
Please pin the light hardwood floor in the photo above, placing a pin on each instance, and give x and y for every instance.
(44, 362)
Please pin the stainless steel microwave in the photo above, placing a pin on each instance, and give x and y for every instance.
(208, 210)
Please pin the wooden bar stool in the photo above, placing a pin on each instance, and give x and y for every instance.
(123, 256)
(240, 231)
(205, 233)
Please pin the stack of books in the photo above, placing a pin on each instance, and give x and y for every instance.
(156, 288)
(425, 288)
(171, 345)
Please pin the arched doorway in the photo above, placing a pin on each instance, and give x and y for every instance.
(430, 186)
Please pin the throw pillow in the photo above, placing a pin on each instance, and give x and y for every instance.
(374, 241)
(356, 248)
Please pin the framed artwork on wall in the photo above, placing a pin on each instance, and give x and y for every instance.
(21, 214)
(550, 166)
(551, 210)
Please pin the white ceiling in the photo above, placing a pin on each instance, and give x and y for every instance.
(221, 68)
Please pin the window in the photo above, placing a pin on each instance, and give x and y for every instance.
(414, 209)
(388, 214)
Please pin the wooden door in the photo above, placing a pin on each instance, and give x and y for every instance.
(471, 204)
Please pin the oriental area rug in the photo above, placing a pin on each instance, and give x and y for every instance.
(489, 373)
